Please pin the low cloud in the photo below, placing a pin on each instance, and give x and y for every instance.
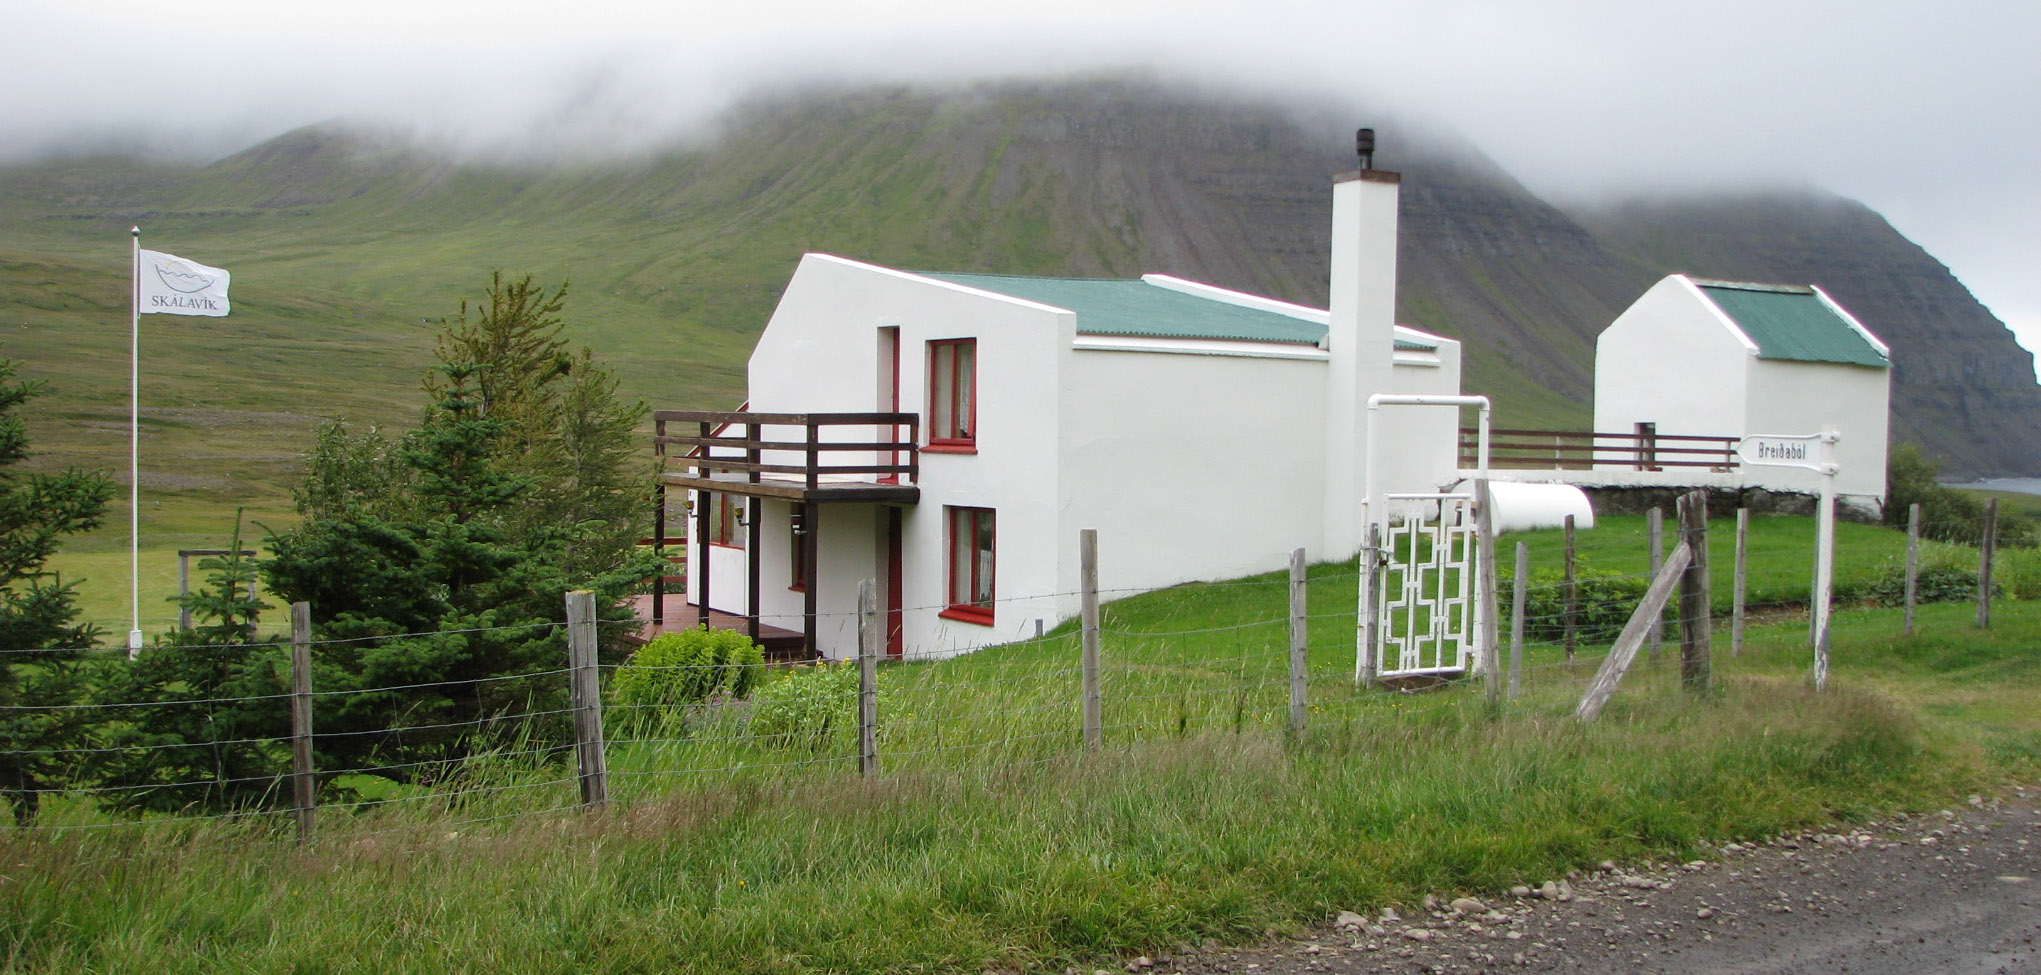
(1922, 116)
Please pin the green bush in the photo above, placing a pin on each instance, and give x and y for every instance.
(687, 667)
(1940, 580)
(1606, 601)
(807, 707)
(1947, 514)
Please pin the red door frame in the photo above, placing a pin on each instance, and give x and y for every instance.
(895, 647)
(894, 395)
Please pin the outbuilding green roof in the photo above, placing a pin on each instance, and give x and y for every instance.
(1107, 306)
(1790, 322)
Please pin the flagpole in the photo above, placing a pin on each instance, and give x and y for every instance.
(134, 448)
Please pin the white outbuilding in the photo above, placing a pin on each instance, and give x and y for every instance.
(947, 435)
(1722, 359)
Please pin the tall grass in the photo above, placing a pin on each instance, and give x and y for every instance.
(1217, 837)
(993, 839)
(1219, 832)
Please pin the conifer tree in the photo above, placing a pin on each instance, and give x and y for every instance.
(558, 419)
(451, 548)
(41, 640)
(216, 700)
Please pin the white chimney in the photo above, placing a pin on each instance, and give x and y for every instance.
(1360, 340)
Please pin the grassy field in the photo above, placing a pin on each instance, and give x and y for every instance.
(2019, 502)
(992, 841)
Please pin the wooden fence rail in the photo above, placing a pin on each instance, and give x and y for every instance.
(1642, 450)
(744, 444)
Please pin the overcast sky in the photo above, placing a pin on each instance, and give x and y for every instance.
(1925, 112)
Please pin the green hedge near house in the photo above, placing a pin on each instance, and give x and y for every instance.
(688, 667)
(1604, 603)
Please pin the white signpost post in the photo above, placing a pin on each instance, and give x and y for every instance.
(1815, 452)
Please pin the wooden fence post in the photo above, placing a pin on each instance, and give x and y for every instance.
(1642, 620)
(304, 788)
(1300, 641)
(1516, 620)
(1572, 593)
(868, 677)
(584, 684)
(1696, 603)
(1654, 525)
(1913, 561)
(183, 589)
(1484, 592)
(1094, 725)
(1986, 550)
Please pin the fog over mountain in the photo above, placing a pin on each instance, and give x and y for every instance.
(1588, 106)
(679, 254)
(1920, 114)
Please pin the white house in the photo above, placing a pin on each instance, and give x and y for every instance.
(948, 435)
(1725, 359)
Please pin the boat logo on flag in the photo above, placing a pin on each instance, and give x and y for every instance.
(171, 285)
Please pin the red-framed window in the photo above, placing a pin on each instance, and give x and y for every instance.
(953, 394)
(797, 533)
(973, 545)
(726, 519)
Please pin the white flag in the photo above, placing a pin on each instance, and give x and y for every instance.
(172, 285)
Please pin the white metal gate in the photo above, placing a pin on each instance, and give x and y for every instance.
(1420, 599)
(1427, 613)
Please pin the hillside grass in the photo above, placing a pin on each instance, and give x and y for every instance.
(1027, 853)
(2016, 502)
(1780, 559)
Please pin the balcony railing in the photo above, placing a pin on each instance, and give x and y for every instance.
(1644, 449)
(811, 448)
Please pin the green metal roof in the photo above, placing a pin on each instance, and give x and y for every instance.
(1792, 323)
(1120, 307)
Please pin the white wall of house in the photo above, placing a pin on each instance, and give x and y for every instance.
(1193, 459)
(1420, 444)
(1191, 466)
(832, 314)
(725, 563)
(1805, 397)
(1672, 358)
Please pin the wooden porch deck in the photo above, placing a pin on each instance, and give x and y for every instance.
(781, 644)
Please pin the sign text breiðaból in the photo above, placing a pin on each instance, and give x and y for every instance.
(1782, 450)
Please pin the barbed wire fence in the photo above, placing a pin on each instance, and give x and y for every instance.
(550, 740)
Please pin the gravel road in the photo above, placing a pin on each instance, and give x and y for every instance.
(1955, 891)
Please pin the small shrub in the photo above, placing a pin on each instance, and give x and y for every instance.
(1933, 584)
(1606, 601)
(1947, 514)
(807, 707)
(687, 667)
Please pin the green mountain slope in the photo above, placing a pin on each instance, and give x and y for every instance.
(346, 245)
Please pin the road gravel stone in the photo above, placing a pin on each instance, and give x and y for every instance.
(1953, 891)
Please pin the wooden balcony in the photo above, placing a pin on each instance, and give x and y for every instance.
(1644, 449)
(806, 457)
